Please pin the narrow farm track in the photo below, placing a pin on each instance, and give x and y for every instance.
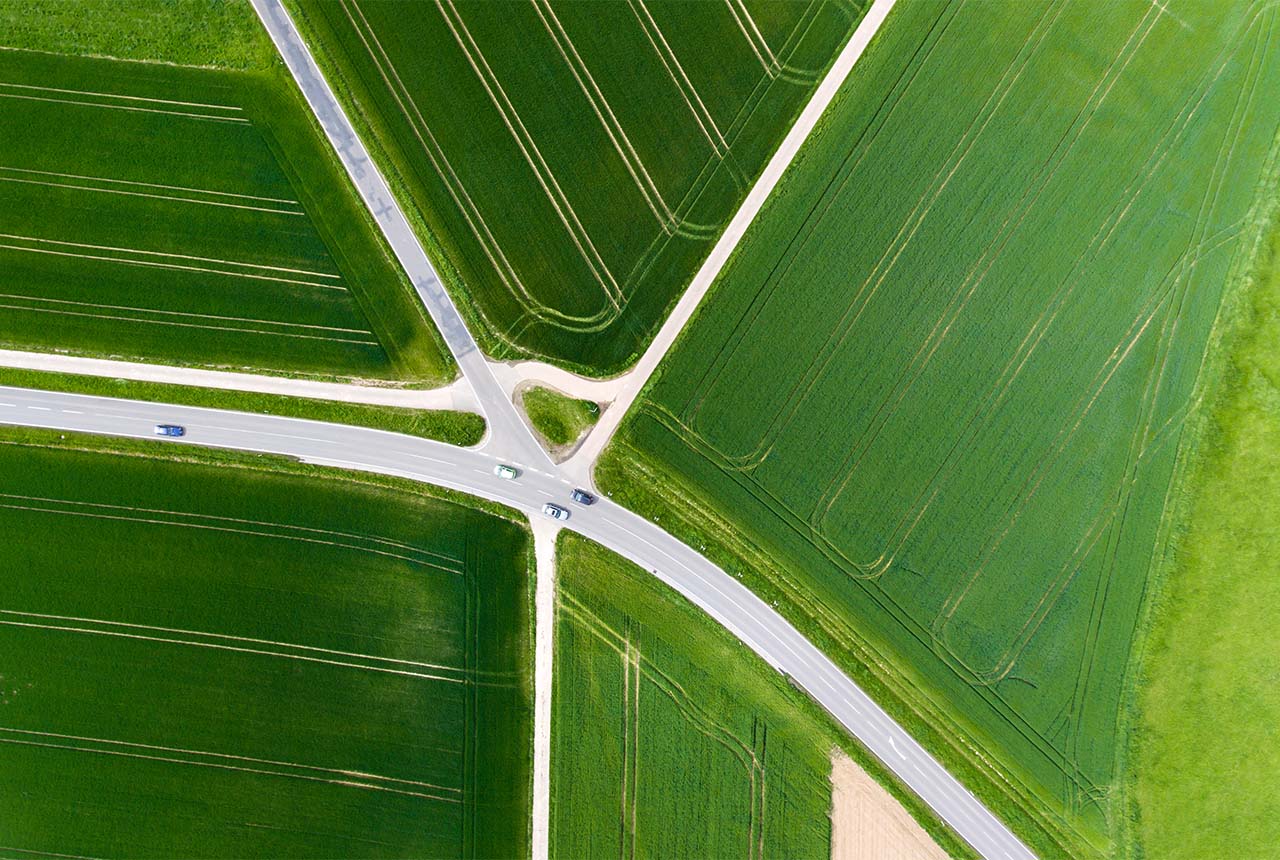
(723, 597)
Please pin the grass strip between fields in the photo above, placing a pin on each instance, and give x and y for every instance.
(456, 428)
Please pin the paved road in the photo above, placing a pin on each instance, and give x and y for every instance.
(506, 427)
(720, 595)
(471, 471)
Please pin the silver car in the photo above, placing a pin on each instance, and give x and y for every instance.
(555, 511)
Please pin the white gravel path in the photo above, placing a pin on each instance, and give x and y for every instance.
(456, 396)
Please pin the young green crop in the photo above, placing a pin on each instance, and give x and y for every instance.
(232, 661)
(191, 216)
(934, 405)
(618, 139)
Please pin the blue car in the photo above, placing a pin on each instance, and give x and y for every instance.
(170, 430)
(582, 497)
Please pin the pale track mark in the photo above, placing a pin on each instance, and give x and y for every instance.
(133, 108)
(122, 192)
(234, 194)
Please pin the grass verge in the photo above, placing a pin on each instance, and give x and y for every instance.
(559, 418)
(456, 428)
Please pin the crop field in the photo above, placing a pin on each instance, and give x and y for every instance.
(190, 216)
(669, 739)
(937, 399)
(573, 163)
(227, 662)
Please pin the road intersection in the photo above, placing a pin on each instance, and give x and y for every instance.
(509, 440)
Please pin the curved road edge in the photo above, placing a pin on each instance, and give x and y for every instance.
(720, 595)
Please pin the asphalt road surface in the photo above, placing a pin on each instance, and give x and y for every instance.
(471, 471)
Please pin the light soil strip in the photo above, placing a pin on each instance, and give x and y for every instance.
(544, 550)
(456, 396)
(581, 463)
(867, 823)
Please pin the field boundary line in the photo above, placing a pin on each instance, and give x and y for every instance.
(134, 108)
(231, 756)
(179, 257)
(350, 783)
(581, 463)
(174, 323)
(150, 185)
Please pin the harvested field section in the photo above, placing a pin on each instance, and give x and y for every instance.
(277, 665)
(667, 738)
(617, 145)
(189, 216)
(939, 395)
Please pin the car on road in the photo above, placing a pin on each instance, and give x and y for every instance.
(582, 497)
(170, 430)
(505, 472)
(555, 511)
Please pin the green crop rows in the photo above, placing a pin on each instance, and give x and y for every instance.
(936, 400)
(668, 739)
(192, 216)
(278, 665)
(573, 162)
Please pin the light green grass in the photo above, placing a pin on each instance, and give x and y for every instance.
(662, 719)
(252, 661)
(456, 428)
(934, 404)
(1206, 745)
(221, 33)
(560, 419)
(191, 216)
(627, 137)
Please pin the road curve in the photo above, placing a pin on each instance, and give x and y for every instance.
(505, 424)
(471, 471)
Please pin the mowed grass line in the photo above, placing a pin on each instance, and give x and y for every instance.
(670, 740)
(943, 444)
(1204, 741)
(231, 626)
(575, 230)
(255, 254)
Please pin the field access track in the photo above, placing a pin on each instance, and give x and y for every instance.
(573, 163)
(937, 399)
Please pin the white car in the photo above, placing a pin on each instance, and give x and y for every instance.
(505, 472)
(555, 511)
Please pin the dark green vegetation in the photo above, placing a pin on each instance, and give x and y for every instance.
(456, 428)
(669, 738)
(263, 664)
(190, 216)
(934, 405)
(559, 418)
(1207, 748)
(221, 33)
(617, 141)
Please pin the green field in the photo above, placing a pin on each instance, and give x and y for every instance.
(235, 662)
(571, 164)
(191, 216)
(934, 405)
(560, 420)
(668, 738)
(1206, 747)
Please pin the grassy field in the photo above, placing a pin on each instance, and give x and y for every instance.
(1206, 745)
(669, 739)
(189, 216)
(456, 428)
(221, 33)
(933, 406)
(617, 141)
(559, 419)
(267, 664)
